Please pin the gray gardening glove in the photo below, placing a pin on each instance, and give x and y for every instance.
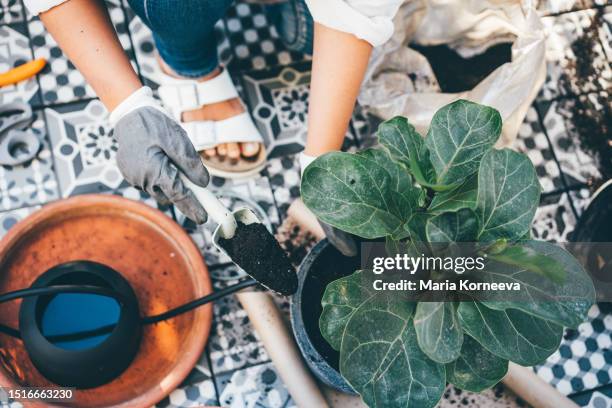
(154, 150)
(342, 241)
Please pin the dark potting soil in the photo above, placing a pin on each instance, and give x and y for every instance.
(329, 266)
(589, 115)
(457, 74)
(255, 250)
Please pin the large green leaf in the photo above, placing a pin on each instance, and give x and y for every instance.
(417, 226)
(383, 362)
(341, 299)
(459, 226)
(402, 182)
(476, 369)
(508, 195)
(463, 196)
(407, 147)
(524, 256)
(438, 330)
(357, 195)
(381, 359)
(566, 303)
(510, 334)
(459, 135)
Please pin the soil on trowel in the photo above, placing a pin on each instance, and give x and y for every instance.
(256, 251)
(457, 74)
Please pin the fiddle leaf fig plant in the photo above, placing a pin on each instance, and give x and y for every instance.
(447, 187)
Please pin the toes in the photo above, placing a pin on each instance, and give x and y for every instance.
(210, 152)
(222, 150)
(250, 149)
(233, 150)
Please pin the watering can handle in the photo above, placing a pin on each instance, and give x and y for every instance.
(215, 209)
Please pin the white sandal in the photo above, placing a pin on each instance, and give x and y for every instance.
(180, 95)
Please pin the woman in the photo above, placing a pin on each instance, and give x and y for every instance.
(202, 107)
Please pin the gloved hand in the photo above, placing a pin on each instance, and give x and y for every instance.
(153, 149)
(342, 241)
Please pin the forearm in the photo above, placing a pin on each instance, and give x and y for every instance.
(84, 31)
(338, 67)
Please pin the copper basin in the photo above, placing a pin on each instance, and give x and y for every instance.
(151, 251)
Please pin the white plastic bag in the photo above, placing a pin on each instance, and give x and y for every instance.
(469, 27)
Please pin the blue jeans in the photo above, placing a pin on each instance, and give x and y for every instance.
(183, 30)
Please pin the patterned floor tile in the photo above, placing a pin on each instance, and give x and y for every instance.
(577, 165)
(254, 41)
(576, 62)
(84, 148)
(233, 343)
(258, 386)
(496, 397)
(31, 183)
(599, 399)
(606, 31)
(9, 218)
(15, 50)
(584, 359)
(284, 174)
(554, 219)
(225, 275)
(364, 126)
(278, 101)
(533, 142)
(60, 81)
(5, 402)
(224, 48)
(11, 11)
(144, 49)
(133, 193)
(581, 199)
(192, 395)
(197, 389)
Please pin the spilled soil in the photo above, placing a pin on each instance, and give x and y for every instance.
(457, 74)
(255, 250)
(590, 116)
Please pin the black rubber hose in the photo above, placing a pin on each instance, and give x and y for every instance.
(57, 289)
(169, 314)
(199, 302)
(52, 290)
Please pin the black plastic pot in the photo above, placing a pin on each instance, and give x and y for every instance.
(322, 265)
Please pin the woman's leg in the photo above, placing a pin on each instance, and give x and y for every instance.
(183, 31)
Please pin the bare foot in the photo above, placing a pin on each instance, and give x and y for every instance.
(218, 111)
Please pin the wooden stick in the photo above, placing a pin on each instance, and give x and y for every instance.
(270, 326)
(537, 392)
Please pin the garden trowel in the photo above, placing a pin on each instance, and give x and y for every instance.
(241, 235)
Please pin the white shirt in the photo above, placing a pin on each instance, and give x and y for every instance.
(370, 20)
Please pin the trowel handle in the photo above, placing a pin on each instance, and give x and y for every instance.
(215, 209)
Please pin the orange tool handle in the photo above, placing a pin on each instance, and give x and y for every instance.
(24, 71)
